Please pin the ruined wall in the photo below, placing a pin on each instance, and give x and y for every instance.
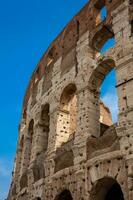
(63, 152)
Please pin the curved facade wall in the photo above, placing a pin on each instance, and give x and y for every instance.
(61, 151)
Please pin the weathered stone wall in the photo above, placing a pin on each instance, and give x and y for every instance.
(61, 146)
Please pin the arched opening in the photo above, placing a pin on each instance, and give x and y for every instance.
(24, 114)
(38, 172)
(109, 96)
(37, 198)
(45, 125)
(107, 189)
(22, 143)
(19, 164)
(101, 11)
(66, 125)
(98, 76)
(23, 181)
(30, 146)
(114, 192)
(65, 195)
(108, 44)
(14, 190)
(131, 27)
(102, 39)
(34, 93)
(64, 160)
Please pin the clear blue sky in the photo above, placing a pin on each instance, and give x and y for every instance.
(26, 30)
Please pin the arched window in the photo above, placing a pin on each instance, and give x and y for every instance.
(23, 181)
(101, 11)
(103, 35)
(30, 134)
(21, 145)
(102, 39)
(14, 190)
(45, 125)
(97, 79)
(66, 125)
(65, 195)
(109, 96)
(108, 44)
(38, 172)
(34, 93)
(107, 189)
(37, 198)
(64, 160)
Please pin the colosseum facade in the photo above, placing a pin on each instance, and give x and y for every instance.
(65, 152)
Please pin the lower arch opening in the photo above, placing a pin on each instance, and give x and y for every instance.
(107, 189)
(65, 195)
(114, 193)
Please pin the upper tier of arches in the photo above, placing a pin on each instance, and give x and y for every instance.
(86, 20)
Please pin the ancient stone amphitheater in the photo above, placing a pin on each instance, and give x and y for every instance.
(68, 147)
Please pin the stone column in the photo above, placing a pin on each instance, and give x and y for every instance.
(87, 101)
(38, 141)
(54, 104)
(88, 124)
(26, 154)
(124, 68)
(20, 149)
(17, 164)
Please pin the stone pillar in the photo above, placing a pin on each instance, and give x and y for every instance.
(124, 69)
(87, 101)
(17, 164)
(53, 113)
(88, 124)
(38, 141)
(20, 149)
(49, 163)
(26, 155)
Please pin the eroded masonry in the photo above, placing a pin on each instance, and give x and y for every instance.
(68, 147)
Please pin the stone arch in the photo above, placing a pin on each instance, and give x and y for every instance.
(100, 72)
(106, 188)
(64, 195)
(67, 117)
(100, 36)
(96, 79)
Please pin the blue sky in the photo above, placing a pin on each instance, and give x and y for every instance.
(26, 30)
